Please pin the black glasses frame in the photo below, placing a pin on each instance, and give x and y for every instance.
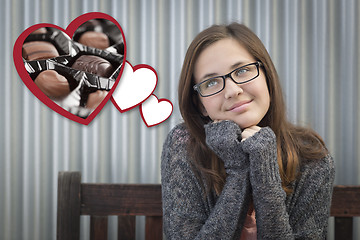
(197, 86)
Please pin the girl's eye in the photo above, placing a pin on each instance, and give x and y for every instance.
(211, 83)
(241, 71)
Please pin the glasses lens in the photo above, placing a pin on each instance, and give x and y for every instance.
(245, 73)
(211, 86)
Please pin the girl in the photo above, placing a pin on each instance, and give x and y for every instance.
(236, 168)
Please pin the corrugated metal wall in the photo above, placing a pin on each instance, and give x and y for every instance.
(314, 44)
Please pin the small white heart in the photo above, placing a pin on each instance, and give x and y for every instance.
(135, 86)
(154, 111)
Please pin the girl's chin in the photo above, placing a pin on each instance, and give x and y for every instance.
(246, 124)
(241, 121)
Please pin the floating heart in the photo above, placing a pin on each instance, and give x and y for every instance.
(154, 111)
(136, 85)
(97, 88)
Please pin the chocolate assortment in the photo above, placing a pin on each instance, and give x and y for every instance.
(75, 73)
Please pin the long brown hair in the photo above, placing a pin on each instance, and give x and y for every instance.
(293, 143)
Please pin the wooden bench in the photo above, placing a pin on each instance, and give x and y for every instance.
(345, 205)
(101, 200)
(129, 200)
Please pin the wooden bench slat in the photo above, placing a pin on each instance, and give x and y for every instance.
(98, 227)
(126, 227)
(345, 201)
(120, 199)
(153, 227)
(343, 228)
(68, 208)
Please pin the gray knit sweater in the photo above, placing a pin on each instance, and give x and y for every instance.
(252, 170)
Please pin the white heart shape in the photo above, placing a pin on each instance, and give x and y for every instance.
(154, 111)
(135, 86)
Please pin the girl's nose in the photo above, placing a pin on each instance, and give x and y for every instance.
(232, 89)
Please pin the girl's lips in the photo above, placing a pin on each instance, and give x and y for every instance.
(240, 106)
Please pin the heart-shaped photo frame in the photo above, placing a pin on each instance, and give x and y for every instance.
(73, 71)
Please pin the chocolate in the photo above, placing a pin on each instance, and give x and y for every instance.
(101, 34)
(40, 31)
(95, 39)
(37, 50)
(95, 98)
(94, 64)
(53, 84)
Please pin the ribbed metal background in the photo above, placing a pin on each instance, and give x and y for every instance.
(314, 44)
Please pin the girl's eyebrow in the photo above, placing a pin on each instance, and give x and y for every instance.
(232, 67)
(239, 64)
(209, 75)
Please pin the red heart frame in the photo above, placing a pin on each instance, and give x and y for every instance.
(25, 77)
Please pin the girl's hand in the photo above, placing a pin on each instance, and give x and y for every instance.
(248, 132)
(223, 138)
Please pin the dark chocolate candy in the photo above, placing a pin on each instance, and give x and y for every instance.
(95, 98)
(94, 64)
(53, 84)
(95, 39)
(37, 50)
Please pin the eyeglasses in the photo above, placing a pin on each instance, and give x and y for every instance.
(240, 75)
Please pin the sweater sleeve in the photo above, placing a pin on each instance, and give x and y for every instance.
(187, 214)
(305, 214)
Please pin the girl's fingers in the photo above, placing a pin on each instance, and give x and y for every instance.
(248, 132)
